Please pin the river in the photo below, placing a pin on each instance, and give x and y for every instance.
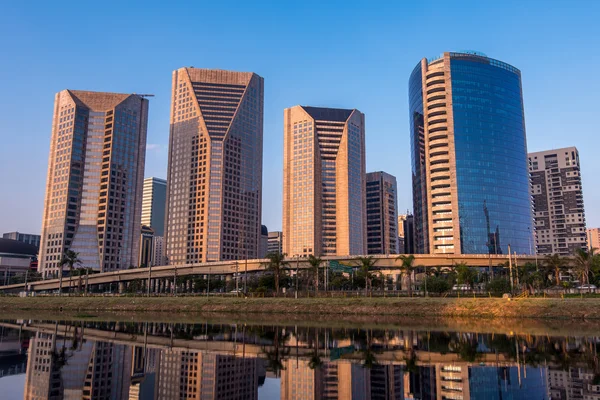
(115, 357)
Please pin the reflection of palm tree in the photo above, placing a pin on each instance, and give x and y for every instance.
(315, 360)
(369, 359)
(276, 356)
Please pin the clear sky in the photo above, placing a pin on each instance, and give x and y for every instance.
(349, 54)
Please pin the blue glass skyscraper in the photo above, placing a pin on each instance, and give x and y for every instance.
(469, 156)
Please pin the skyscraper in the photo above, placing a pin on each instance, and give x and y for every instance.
(382, 220)
(153, 204)
(469, 156)
(324, 210)
(593, 238)
(214, 180)
(557, 201)
(275, 243)
(93, 198)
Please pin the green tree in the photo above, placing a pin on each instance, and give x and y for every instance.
(498, 286)
(586, 264)
(366, 264)
(276, 264)
(437, 284)
(407, 268)
(465, 275)
(555, 264)
(70, 259)
(315, 263)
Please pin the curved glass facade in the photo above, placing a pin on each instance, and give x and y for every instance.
(469, 157)
(491, 158)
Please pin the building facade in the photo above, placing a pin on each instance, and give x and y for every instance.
(93, 200)
(557, 201)
(469, 156)
(275, 243)
(382, 214)
(146, 250)
(264, 242)
(593, 238)
(406, 235)
(324, 204)
(23, 237)
(153, 204)
(158, 251)
(214, 179)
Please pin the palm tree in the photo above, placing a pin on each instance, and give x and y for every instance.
(366, 264)
(315, 263)
(555, 263)
(276, 264)
(407, 268)
(586, 262)
(70, 259)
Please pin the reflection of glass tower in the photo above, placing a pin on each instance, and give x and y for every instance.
(469, 156)
(324, 201)
(93, 198)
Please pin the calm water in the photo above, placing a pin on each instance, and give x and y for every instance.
(148, 360)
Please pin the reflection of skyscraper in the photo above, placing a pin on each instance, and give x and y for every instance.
(329, 380)
(204, 376)
(43, 380)
(468, 146)
(387, 382)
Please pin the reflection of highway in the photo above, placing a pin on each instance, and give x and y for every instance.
(90, 360)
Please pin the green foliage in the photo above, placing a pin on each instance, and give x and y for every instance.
(498, 286)
(465, 275)
(437, 284)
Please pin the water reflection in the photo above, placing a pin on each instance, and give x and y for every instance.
(118, 360)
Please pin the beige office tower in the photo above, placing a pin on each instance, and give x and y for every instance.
(593, 238)
(93, 198)
(214, 179)
(324, 204)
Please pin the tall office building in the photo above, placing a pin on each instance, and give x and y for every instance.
(93, 198)
(469, 156)
(264, 242)
(23, 237)
(593, 238)
(214, 179)
(153, 204)
(557, 201)
(406, 236)
(382, 220)
(275, 243)
(324, 204)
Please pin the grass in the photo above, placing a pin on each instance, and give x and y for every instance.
(554, 308)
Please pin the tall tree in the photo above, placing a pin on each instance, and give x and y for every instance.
(465, 275)
(276, 264)
(70, 259)
(315, 263)
(555, 263)
(407, 268)
(586, 263)
(366, 264)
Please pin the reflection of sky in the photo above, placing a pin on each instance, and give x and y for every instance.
(12, 387)
(270, 390)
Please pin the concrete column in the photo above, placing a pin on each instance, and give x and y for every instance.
(122, 287)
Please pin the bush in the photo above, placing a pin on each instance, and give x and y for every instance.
(436, 284)
(498, 286)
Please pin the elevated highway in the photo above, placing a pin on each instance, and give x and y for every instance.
(387, 264)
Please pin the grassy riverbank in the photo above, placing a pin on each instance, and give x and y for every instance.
(307, 308)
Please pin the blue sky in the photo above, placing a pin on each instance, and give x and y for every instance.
(351, 54)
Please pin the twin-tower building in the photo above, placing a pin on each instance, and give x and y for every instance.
(469, 169)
